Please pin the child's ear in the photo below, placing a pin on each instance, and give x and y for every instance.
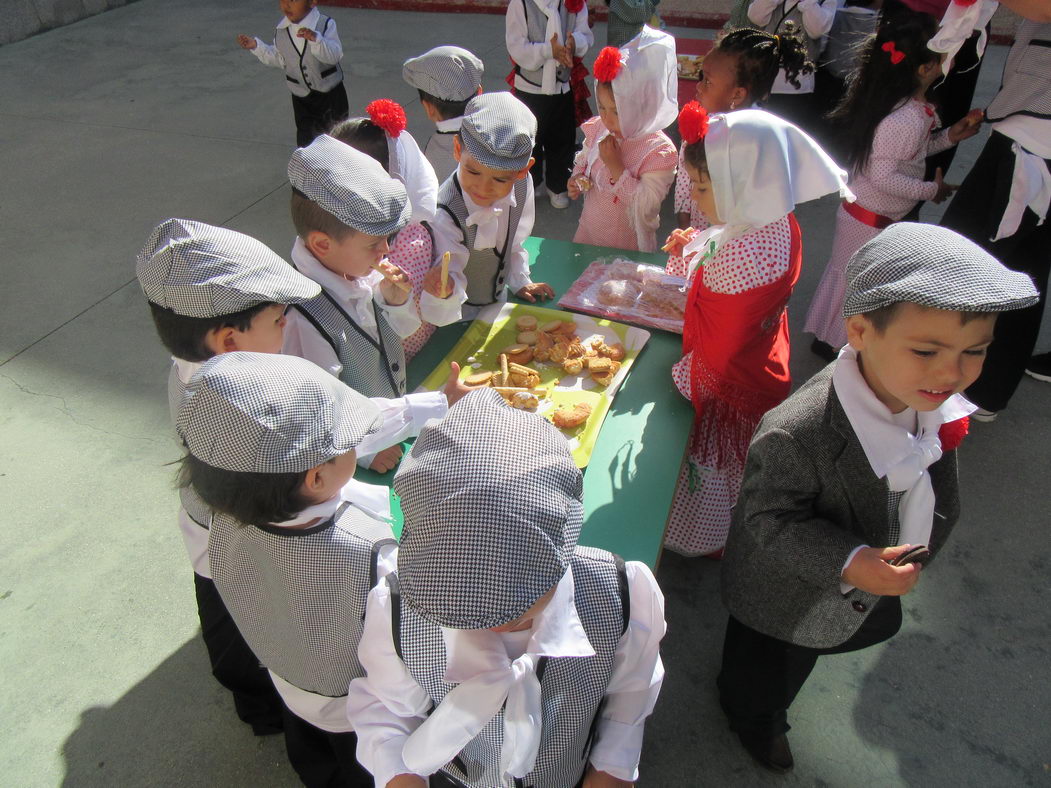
(318, 244)
(457, 150)
(479, 91)
(859, 329)
(221, 340)
(927, 68)
(313, 482)
(525, 170)
(740, 97)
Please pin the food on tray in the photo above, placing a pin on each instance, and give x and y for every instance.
(663, 300)
(619, 292)
(478, 379)
(626, 269)
(604, 377)
(528, 337)
(526, 323)
(689, 66)
(520, 354)
(520, 375)
(573, 366)
(568, 327)
(524, 400)
(568, 418)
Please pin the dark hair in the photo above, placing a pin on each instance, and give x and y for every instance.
(879, 85)
(760, 55)
(253, 498)
(184, 336)
(882, 317)
(309, 217)
(363, 135)
(446, 109)
(693, 154)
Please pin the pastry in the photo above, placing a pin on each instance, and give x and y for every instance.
(524, 400)
(568, 418)
(520, 353)
(478, 379)
(528, 337)
(526, 323)
(551, 327)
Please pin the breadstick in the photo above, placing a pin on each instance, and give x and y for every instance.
(445, 272)
(507, 391)
(506, 379)
(403, 286)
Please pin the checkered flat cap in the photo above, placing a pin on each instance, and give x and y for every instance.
(492, 506)
(934, 267)
(267, 413)
(499, 131)
(350, 185)
(197, 270)
(447, 73)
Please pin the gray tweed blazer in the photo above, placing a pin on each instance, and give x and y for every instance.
(809, 498)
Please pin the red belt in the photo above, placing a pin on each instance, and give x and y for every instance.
(865, 216)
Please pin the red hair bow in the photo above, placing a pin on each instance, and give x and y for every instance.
(575, 6)
(607, 64)
(952, 433)
(388, 115)
(896, 55)
(693, 122)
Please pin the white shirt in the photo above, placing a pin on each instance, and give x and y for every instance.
(388, 705)
(533, 55)
(327, 48)
(448, 238)
(324, 712)
(412, 169)
(817, 21)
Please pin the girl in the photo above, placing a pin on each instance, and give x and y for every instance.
(886, 130)
(749, 169)
(737, 73)
(627, 164)
(382, 136)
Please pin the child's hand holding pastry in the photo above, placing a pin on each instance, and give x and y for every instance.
(386, 459)
(967, 126)
(536, 291)
(678, 239)
(432, 283)
(577, 185)
(870, 571)
(609, 152)
(454, 388)
(396, 286)
(246, 42)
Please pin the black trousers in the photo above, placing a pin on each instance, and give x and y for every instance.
(323, 759)
(234, 665)
(556, 138)
(976, 211)
(761, 675)
(316, 113)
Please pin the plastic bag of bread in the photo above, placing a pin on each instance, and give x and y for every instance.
(618, 293)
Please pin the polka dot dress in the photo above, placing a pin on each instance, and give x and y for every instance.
(413, 252)
(683, 201)
(704, 498)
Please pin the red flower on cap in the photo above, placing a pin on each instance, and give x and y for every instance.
(952, 433)
(576, 6)
(607, 64)
(388, 115)
(693, 122)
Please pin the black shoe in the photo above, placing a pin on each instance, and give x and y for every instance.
(1039, 367)
(770, 752)
(823, 350)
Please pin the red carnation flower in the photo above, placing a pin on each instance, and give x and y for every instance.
(607, 64)
(693, 122)
(965, 2)
(574, 6)
(388, 115)
(952, 433)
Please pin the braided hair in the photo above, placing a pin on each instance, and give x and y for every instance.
(760, 55)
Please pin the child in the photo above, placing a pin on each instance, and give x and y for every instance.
(749, 170)
(627, 19)
(446, 79)
(213, 291)
(306, 45)
(543, 38)
(295, 543)
(627, 163)
(412, 248)
(504, 654)
(793, 97)
(485, 212)
(738, 72)
(887, 128)
(853, 469)
(344, 207)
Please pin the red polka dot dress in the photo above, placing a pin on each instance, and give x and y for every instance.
(707, 491)
(413, 252)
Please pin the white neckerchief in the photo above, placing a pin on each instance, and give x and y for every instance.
(554, 28)
(957, 24)
(488, 679)
(892, 451)
(449, 125)
(1030, 188)
(487, 218)
(185, 369)
(355, 295)
(373, 499)
(309, 22)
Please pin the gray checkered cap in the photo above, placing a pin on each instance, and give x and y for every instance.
(350, 185)
(492, 506)
(447, 73)
(267, 413)
(197, 270)
(499, 131)
(934, 267)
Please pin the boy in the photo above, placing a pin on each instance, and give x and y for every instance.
(295, 543)
(446, 79)
(502, 653)
(344, 207)
(485, 212)
(306, 45)
(849, 472)
(543, 37)
(212, 291)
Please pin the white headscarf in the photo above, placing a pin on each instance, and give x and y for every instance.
(646, 89)
(957, 25)
(761, 167)
(407, 163)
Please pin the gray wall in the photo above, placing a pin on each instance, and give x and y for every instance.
(25, 18)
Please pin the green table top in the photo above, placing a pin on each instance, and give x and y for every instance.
(629, 483)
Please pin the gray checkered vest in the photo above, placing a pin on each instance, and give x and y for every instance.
(536, 31)
(782, 14)
(485, 267)
(572, 687)
(304, 72)
(198, 510)
(370, 367)
(298, 596)
(1026, 87)
(439, 153)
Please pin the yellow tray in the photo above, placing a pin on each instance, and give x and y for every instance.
(494, 329)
